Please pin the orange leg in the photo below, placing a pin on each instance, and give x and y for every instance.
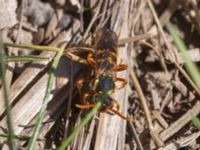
(124, 82)
(85, 106)
(73, 49)
(86, 95)
(122, 67)
(75, 57)
(120, 115)
(91, 60)
(69, 53)
(116, 103)
(106, 109)
(80, 83)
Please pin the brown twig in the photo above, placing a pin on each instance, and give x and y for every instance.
(142, 99)
(137, 140)
(136, 38)
(169, 46)
(180, 123)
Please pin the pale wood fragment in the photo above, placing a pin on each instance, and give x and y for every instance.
(182, 142)
(180, 123)
(112, 129)
(28, 106)
(31, 72)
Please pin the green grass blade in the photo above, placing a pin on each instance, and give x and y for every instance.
(25, 58)
(21, 138)
(32, 142)
(82, 124)
(196, 121)
(35, 47)
(190, 66)
(11, 142)
(68, 53)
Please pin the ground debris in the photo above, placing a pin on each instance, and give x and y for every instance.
(8, 13)
(159, 97)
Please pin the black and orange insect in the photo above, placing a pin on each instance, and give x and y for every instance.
(102, 85)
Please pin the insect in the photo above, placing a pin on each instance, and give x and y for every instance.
(102, 85)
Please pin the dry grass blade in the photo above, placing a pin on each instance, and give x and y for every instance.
(136, 38)
(139, 144)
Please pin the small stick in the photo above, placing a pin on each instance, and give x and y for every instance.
(142, 99)
(136, 38)
(159, 27)
(137, 140)
(182, 142)
(93, 18)
(181, 122)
